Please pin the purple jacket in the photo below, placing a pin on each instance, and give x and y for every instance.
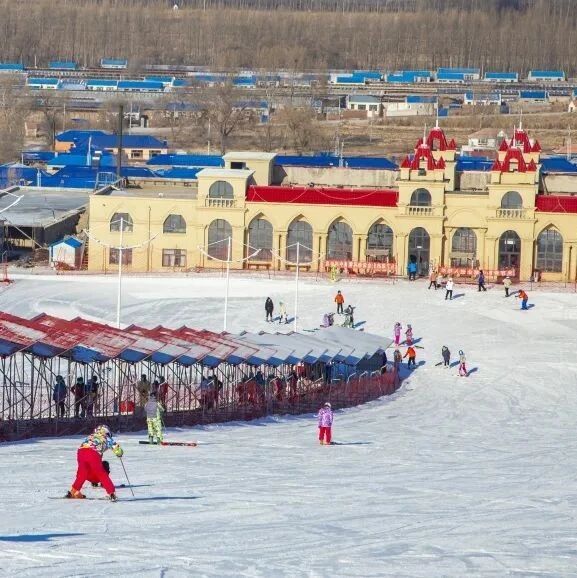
(325, 417)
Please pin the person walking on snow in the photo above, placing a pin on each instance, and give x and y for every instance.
(412, 270)
(433, 279)
(59, 396)
(412, 355)
(449, 287)
(481, 281)
(462, 364)
(397, 359)
(446, 356)
(283, 317)
(325, 418)
(507, 285)
(397, 333)
(269, 308)
(89, 457)
(524, 298)
(153, 410)
(409, 335)
(340, 301)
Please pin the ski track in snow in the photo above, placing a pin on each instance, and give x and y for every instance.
(448, 477)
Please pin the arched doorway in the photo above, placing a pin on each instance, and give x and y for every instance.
(420, 249)
(260, 238)
(464, 248)
(219, 233)
(340, 241)
(510, 251)
(549, 251)
(380, 243)
(299, 231)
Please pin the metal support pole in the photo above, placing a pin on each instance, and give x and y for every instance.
(119, 296)
(295, 327)
(228, 259)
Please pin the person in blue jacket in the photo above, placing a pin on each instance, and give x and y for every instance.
(412, 269)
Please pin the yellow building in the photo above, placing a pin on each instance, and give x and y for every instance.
(434, 218)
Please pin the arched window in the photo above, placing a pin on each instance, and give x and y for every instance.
(421, 198)
(221, 190)
(219, 233)
(512, 200)
(550, 251)
(509, 250)
(174, 224)
(419, 249)
(125, 219)
(260, 237)
(380, 242)
(302, 233)
(463, 247)
(340, 241)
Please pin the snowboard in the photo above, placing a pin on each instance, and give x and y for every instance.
(186, 444)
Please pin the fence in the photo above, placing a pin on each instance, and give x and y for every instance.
(232, 393)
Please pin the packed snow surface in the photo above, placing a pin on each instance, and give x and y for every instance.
(448, 477)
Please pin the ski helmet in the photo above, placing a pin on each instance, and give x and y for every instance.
(103, 430)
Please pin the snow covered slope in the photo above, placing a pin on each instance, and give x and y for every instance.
(449, 477)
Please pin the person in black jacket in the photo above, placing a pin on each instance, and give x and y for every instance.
(269, 308)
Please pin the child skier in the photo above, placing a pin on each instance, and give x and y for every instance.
(397, 359)
(449, 289)
(409, 335)
(507, 285)
(269, 308)
(524, 298)
(412, 355)
(153, 411)
(481, 281)
(89, 457)
(340, 301)
(325, 418)
(349, 317)
(446, 356)
(397, 333)
(283, 318)
(462, 364)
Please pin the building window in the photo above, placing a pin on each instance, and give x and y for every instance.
(509, 250)
(340, 241)
(550, 251)
(301, 233)
(362, 107)
(260, 237)
(173, 258)
(419, 249)
(113, 256)
(155, 153)
(373, 107)
(421, 198)
(136, 154)
(125, 219)
(219, 234)
(380, 242)
(221, 190)
(174, 224)
(512, 200)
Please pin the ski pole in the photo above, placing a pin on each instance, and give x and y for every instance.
(129, 484)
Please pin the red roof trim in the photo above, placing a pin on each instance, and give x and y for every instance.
(323, 196)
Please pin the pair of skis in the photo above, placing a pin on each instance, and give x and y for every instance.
(184, 444)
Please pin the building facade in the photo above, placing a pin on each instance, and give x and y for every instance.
(236, 214)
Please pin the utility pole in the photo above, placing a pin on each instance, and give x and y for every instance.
(120, 131)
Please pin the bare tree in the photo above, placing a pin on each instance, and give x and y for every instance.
(52, 108)
(14, 108)
(224, 111)
(302, 131)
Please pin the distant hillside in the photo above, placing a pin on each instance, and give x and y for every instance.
(303, 34)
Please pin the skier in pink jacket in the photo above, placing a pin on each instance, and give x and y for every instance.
(325, 424)
(397, 333)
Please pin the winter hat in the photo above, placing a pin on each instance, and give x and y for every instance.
(409, 326)
(460, 352)
(327, 404)
(103, 430)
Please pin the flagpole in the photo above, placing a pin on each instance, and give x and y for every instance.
(119, 296)
(295, 327)
(228, 259)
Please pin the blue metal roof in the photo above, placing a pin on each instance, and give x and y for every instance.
(116, 62)
(192, 160)
(547, 74)
(70, 241)
(140, 85)
(69, 160)
(458, 70)
(38, 156)
(474, 164)
(178, 173)
(162, 79)
(110, 141)
(557, 165)
(79, 135)
(11, 67)
(451, 76)
(409, 76)
(62, 65)
(244, 81)
(333, 161)
(501, 75)
(418, 98)
(42, 81)
(534, 94)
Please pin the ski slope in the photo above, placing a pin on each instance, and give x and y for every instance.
(448, 477)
